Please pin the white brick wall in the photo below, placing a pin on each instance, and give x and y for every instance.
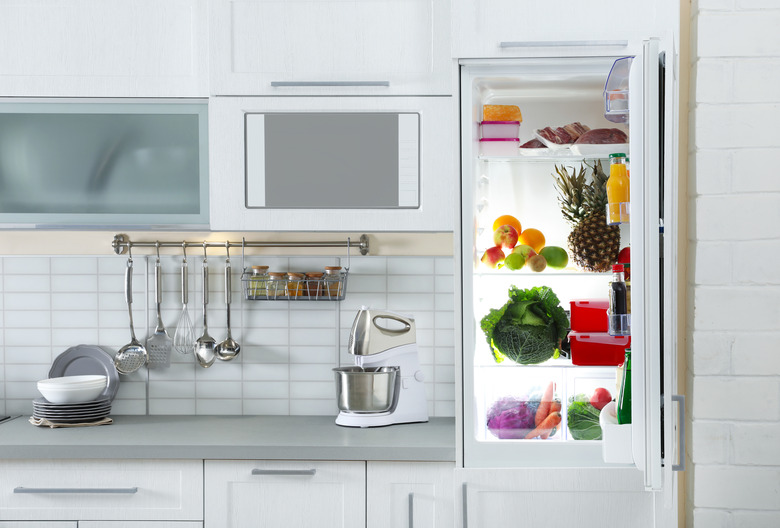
(734, 327)
(48, 304)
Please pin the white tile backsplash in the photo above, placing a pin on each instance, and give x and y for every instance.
(48, 304)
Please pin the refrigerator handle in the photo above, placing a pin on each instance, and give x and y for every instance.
(681, 428)
(564, 44)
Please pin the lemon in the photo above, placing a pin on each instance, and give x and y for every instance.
(514, 261)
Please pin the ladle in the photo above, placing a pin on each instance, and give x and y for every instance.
(229, 348)
(133, 355)
(205, 344)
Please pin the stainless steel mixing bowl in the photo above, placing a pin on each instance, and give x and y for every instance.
(365, 390)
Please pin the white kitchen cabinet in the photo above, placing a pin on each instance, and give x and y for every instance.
(507, 498)
(36, 524)
(284, 493)
(508, 28)
(99, 48)
(231, 151)
(410, 495)
(136, 524)
(146, 490)
(330, 47)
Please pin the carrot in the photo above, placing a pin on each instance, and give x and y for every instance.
(546, 426)
(555, 406)
(544, 406)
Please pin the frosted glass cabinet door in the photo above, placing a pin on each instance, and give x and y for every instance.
(86, 164)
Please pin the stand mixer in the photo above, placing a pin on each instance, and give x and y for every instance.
(385, 386)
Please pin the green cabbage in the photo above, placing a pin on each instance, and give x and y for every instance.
(528, 329)
(583, 419)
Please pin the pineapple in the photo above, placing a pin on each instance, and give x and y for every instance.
(594, 245)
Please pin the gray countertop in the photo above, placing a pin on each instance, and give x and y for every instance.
(230, 437)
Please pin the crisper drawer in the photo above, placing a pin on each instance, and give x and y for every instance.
(101, 489)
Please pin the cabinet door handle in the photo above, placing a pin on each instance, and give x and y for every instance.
(283, 84)
(681, 427)
(564, 43)
(411, 510)
(75, 490)
(301, 472)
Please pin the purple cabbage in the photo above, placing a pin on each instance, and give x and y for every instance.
(512, 418)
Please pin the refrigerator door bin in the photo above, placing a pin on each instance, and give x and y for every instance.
(616, 444)
(598, 349)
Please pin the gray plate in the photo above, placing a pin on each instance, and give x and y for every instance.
(43, 403)
(93, 418)
(84, 360)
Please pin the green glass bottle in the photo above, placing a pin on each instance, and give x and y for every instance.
(624, 401)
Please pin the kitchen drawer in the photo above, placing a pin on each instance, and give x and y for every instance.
(136, 524)
(36, 524)
(101, 489)
(314, 494)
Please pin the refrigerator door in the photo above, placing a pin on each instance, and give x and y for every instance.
(483, 83)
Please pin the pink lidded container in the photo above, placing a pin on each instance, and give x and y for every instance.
(500, 129)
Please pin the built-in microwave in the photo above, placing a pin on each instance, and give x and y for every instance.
(97, 163)
(333, 163)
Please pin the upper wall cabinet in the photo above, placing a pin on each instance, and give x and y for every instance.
(103, 48)
(511, 28)
(330, 47)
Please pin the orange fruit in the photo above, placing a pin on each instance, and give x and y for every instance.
(532, 237)
(507, 220)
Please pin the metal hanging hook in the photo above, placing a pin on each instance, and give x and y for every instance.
(184, 251)
(157, 247)
(129, 254)
(205, 255)
(243, 245)
(227, 250)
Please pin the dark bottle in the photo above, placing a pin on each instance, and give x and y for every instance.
(624, 400)
(618, 303)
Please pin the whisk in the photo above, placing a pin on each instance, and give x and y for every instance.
(184, 338)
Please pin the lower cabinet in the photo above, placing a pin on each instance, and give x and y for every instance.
(409, 495)
(282, 494)
(101, 490)
(37, 524)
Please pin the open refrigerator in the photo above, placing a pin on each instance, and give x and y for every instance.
(631, 90)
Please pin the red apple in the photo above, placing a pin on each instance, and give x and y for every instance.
(525, 251)
(600, 398)
(506, 236)
(493, 257)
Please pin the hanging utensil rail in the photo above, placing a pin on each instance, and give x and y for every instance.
(122, 242)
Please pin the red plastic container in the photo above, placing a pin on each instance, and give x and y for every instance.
(589, 315)
(598, 348)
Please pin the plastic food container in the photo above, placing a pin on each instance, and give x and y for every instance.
(499, 146)
(598, 348)
(616, 91)
(589, 315)
(500, 129)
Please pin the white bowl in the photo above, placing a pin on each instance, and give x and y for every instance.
(70, 395)
(75, 380)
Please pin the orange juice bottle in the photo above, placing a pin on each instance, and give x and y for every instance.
(618, 185)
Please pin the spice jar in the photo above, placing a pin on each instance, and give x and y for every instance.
(295, 284)
(277, 284)
(314, 284)
(333, 286)
(258, 282)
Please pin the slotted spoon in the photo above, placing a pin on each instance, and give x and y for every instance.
(133, 355)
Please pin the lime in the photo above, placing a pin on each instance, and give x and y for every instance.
(514, 261)
(556, 256)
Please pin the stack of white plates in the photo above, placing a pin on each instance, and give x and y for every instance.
(72, 389)
(71, 412)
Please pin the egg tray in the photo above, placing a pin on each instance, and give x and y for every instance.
(303, 290)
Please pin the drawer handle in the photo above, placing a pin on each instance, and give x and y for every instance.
(75, 490)
(411, 510)
(301, 472)
(329, 83)
(564, 43)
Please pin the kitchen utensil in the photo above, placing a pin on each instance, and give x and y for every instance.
(133, 355)
(205, 344)
(385, 386)
(184, 338)
(85, 360)
(229, 348)
(160, 343)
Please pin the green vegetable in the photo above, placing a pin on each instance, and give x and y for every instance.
(528, 329)
(583, 419)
